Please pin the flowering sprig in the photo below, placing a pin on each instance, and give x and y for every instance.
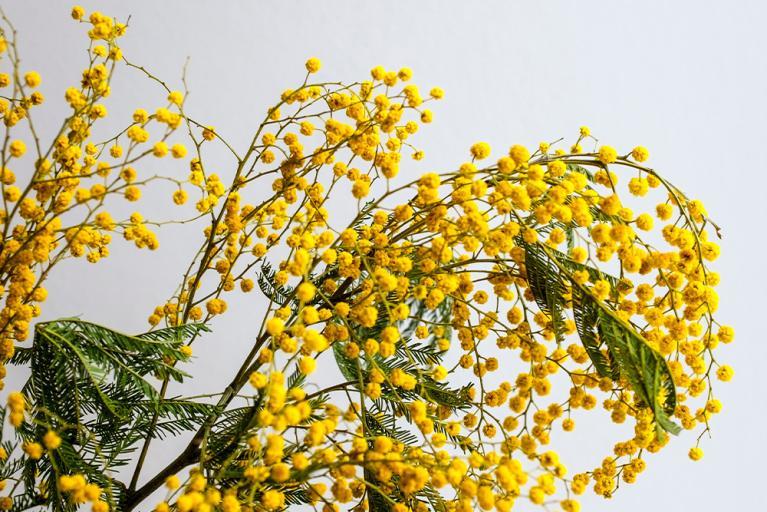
(471, 314)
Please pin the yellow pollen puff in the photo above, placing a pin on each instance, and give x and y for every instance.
(695, 453)
(644, 222)
(307, 365)
(209, 133)
(520, 154)
(607, 154)
(160, 149)
(176, 97)
(280, 472)
(77, 12)
(215, 306)
(724, 373)
(640, 154)
(33, 450)
(32, 78)
(258, 380)
(132, 193)
(405, 74)
(178, 150)
(313, 65)
(378, 73)
(51, 440)
(173, 482)
(180, 196)
(140, 115)
(275, 326)
(272, 499)
(305, 291)
(17, 148)
(480, 150)
(437, 93)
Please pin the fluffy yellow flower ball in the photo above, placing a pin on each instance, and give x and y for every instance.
(695, 453)
(437, 93)
(172, 482)
(51, 440)
(78, 12)
(607, 154)
(176, 97)
(17, 148)
(313, 65)
(32, 79)
(640, 154)
(305, 291)
(480, 150)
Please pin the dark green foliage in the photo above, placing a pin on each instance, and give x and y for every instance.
(644, 368)
(586, 315)
(94, 386)
(614, 347)
(547, 291)
(226, 436)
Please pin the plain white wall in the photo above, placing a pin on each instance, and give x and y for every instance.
(687, 79)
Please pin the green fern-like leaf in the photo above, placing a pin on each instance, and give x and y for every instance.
(94, 385)
(614, 347)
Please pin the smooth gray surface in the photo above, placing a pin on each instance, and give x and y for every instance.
(687, 79)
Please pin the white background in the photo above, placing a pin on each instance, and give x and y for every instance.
(687, 79)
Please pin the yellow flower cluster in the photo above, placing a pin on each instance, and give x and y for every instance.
(59, 210)
(16, 406)
(79, 491)
(473, 314)
(458, 240)
(461, 238)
